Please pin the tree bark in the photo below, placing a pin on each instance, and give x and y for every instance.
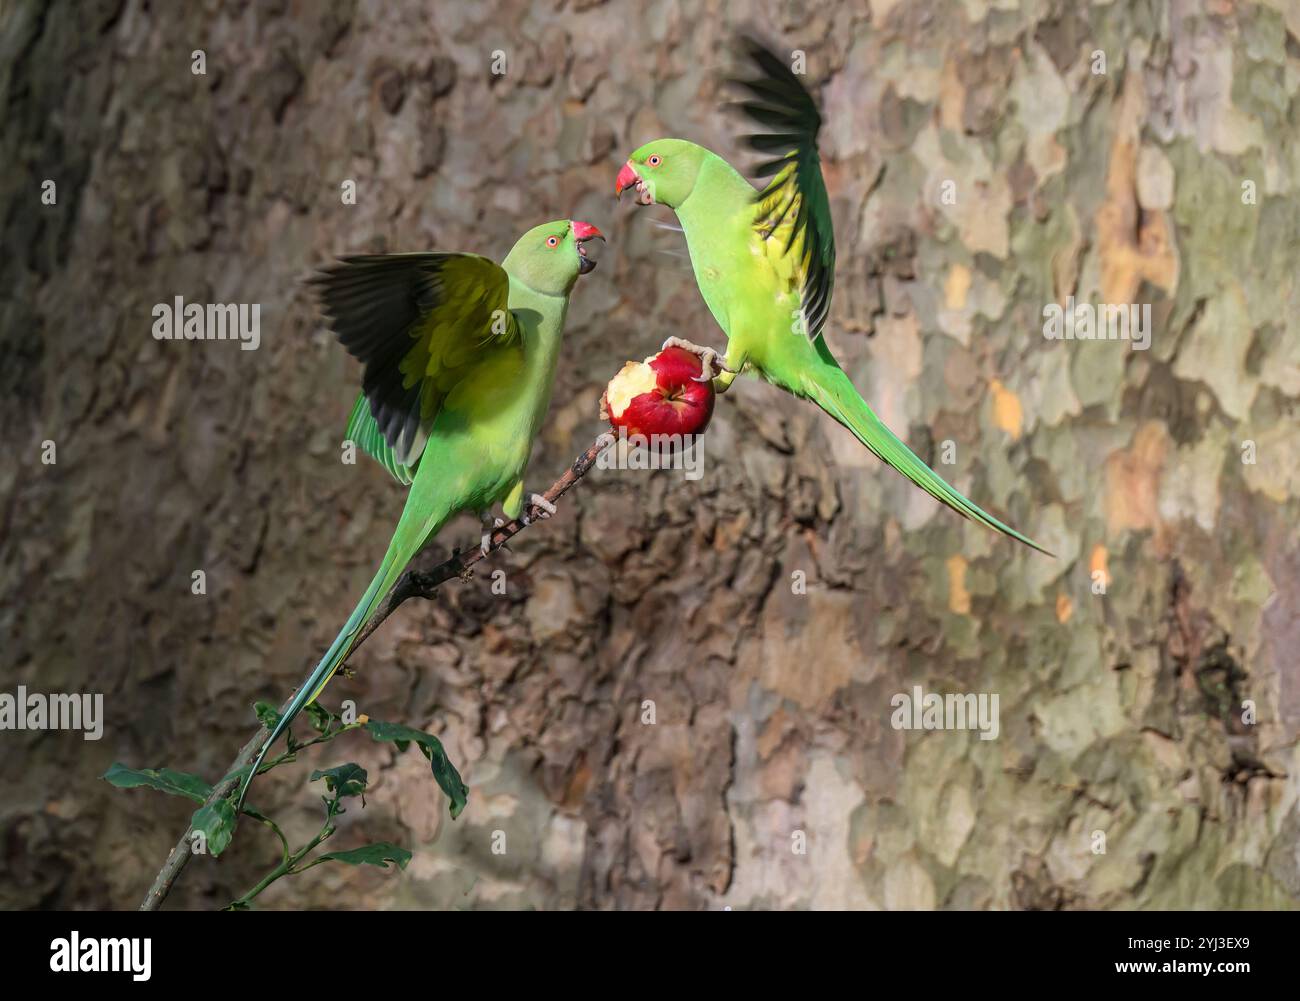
(680, 683)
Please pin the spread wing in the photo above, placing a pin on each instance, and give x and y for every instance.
(792, 213)
(417, 322)
(364, 432)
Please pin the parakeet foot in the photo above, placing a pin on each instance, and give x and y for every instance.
(490, 525)
(723, 382)
(544, 507)
(710, 361)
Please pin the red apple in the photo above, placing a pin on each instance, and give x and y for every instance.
(659, 396)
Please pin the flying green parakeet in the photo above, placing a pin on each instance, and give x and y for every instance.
(765, 262)
(460, 354)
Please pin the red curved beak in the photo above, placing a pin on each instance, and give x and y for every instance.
(582, 232)
(627, 177)
(586, 231)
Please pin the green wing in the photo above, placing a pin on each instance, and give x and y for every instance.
(416, 322)
(793, 213)
(364, 432)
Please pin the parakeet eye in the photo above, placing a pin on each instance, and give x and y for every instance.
(552, 241)
(655, 160)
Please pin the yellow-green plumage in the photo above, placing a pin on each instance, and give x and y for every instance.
(764, 262)
(460, 355)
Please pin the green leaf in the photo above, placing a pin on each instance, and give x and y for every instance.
(380, 854)
(443, 770)
(267, 714)
(162, 779)
(217, 822)
(346, 780)
(319, 717)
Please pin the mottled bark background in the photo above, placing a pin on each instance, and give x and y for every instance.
(1121, 712)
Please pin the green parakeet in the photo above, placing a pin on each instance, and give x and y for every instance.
(459, 353)
(765, 261)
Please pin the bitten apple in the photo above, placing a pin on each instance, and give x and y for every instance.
(659, 396)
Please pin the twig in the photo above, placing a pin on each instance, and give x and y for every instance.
(412, 584)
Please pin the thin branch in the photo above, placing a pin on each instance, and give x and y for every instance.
(412, 584)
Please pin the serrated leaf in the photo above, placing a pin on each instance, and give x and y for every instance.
(346, 780)
(444, 772)
(380, 854)
(267, 714)
(163, 779)
(217, 822)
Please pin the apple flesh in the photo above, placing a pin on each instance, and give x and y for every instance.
(659, 396)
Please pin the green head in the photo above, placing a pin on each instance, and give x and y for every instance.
(663, 172)
(550, 257)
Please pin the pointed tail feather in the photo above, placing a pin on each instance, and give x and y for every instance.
(315, 682)
(412, 530)
(832, 390)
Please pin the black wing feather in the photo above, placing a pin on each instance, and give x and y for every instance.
(780, 103)
(372, 305)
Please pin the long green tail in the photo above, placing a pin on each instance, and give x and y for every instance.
(412, 529)
(831, 390)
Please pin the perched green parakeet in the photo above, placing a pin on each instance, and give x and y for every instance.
(460, 354)
(765, 261)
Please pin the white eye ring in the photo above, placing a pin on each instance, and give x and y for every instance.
(552, 241)
(654, 160)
